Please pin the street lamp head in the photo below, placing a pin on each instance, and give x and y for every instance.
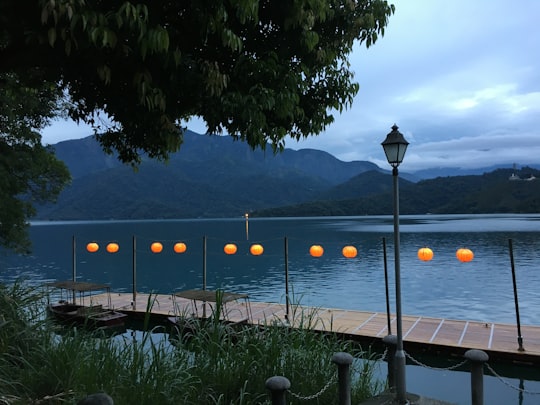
(394, 147)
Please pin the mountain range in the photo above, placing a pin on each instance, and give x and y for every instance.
(215, 176)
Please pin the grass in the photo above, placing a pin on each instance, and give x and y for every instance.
(209, 363)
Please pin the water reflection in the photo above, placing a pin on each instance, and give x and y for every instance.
(480, 290)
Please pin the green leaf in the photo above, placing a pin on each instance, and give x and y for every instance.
(51, 34)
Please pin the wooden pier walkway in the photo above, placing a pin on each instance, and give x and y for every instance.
(420, 334)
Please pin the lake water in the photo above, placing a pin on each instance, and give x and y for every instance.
(480, 290)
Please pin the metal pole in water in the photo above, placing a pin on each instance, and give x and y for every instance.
(204, 273)
(247, 225)
(386, 285)
(204, 264)
(519, 338)
(134, 273)
(286, 279)
(74, 263)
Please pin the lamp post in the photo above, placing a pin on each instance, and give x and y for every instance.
(394, 147)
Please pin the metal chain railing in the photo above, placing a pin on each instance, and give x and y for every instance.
(501, 379)
(318, 394)
(419, 363)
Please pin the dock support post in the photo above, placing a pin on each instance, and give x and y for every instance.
(134, 273)
(74, 265)
(278, 387)
(343, 361)
(204, 274)
(477, 358)
(516, 301)
(388, 322)
(391, 343)
(287, 303)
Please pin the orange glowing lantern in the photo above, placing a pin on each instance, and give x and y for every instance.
(425, 254)
(113, 247)
(349, 252)
(92, 247)
(156, 247)
(316, 250)
(256, 249)
(230, 249)
(464, 255)
(180, 247)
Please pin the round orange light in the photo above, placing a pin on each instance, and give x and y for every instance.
(156, 247)
(230, 248)
(92, 247)
(349, 252)
(464, 255)
(113, 247)
(425, 254)
(180, 247)
(256, 250)
(316, 250)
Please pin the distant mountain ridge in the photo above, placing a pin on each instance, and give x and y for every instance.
(84, 156)
(210, 176)
(493, 192)
(215, 176)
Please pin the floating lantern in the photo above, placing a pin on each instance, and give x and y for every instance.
(256, 250)
(230, 248)
(113, 247)
(156, 247)
(425, 254)
(464, 255)
(92, 247)
(180, 247)
(349, 252)
(316, 250)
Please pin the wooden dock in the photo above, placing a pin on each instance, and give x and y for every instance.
(420, 334)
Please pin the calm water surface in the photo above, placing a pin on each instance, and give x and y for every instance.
(480, 290)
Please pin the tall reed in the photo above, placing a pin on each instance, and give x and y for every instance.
(209, 363)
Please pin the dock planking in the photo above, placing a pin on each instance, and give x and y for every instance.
(425, 334)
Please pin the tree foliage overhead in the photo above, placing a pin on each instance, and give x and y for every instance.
(257, 70)
(135, 71)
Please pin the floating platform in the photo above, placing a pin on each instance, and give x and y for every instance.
(420, 334)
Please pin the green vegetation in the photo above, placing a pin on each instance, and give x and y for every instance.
(208, 364)
(258, 71)
(29, 172)
(489, 193)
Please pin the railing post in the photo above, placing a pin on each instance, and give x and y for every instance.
(477, 358)
(391, 344)
(343, 361)
(278, 387)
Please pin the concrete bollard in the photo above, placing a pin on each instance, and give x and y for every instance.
(343, 361)
(477, 358)
(99, 398)
(278, 387)
(391, 344)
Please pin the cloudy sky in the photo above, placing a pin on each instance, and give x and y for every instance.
(460, 78)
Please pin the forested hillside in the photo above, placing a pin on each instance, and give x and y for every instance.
(214, 176)
(488, 193)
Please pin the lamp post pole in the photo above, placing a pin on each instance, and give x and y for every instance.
(400, 354)
(395, 146)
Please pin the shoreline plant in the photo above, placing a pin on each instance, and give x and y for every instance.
(205, 363)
